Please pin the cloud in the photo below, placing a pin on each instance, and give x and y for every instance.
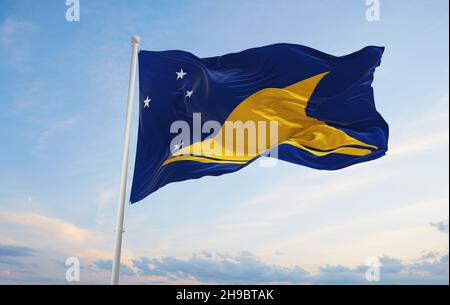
(106, 195)
(51, 227)
(430, 269)
(55, 240)
(316, 192)
(12, 257)
(243, 268)
(61, 126)
(282, 202)
(441, 226)
(422, 143)
(11, 27)
(15, 251)
(428, 132)
(107, 265)
(249, 269)
(15, 40)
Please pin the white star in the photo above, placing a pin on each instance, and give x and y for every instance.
(189, 93)
(181, 74)
(147, 102)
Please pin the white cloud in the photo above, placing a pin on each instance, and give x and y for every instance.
(15, 40)
(290, 200)
(29, 96)
(421, 144)
(427, 132)
(106, 195)
(51, 240)
(314, 190)
(11, 27)
(368, 235)
(46, 226)
(441, 226)
(60, 126)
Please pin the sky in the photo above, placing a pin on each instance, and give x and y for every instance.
(63, 89)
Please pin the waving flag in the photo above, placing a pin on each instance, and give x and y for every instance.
(321, 107)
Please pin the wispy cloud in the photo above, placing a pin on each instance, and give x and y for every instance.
(12, 27)
(53, 228)
(60, 126)
(422, 143)
(367, 234)
(428, 131)
(15, 251)
(441, 226)
(39, 244)
(15, 40)
(105, 196)
(12, 256)
(107, 265)
(34, 247)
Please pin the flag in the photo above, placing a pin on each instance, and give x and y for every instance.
(211, 116)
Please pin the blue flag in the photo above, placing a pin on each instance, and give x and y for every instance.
(210, 116)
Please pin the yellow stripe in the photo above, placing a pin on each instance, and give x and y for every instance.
(340, 150)
(202, 160)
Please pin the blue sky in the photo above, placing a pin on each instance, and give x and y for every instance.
(62, 108)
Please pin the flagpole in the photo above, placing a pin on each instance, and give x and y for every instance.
(123, 177)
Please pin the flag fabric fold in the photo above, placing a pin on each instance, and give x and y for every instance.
(323, 108)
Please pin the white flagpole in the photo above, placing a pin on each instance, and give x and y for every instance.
(123, 177)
